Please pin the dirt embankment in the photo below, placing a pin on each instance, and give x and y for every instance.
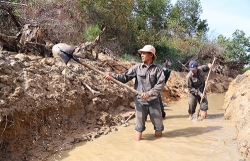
(176, 88)
(237, 109)
(45, 108)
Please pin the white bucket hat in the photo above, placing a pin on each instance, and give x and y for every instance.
(148, 48)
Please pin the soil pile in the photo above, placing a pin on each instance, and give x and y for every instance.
(176, 87)
(46, 107)
(237, 109)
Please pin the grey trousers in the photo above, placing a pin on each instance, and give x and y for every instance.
(153, 110)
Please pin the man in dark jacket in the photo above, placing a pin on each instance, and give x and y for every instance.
(166, 72)
(195, 80)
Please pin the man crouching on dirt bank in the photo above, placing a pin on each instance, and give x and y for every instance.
(150, 81)
(195, 80)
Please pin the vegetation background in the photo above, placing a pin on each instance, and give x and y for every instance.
(177, 31)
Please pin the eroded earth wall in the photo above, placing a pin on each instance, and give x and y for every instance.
(45, 108)
(237, 109)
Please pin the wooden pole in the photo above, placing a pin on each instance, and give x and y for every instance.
(204, 89)
(114, 80)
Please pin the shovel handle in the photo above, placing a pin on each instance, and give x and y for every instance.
(208, 76)
(205, 88)
(114, 80)
(129, 117)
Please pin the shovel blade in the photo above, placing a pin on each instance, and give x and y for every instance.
(63, 51)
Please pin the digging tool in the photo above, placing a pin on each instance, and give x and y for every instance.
(129, 117)
(67, 55)
(204, 89)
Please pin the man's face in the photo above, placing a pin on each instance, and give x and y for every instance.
(146, 56)
(194, 71)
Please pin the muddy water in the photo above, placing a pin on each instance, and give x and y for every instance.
(212, 139)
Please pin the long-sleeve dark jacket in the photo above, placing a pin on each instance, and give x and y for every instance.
(147, 79)
(196, 82)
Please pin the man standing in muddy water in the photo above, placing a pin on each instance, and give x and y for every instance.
(166, 70)
(150, 81)
(195, 80)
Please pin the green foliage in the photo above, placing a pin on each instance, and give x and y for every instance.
(151, 14)
(165, 52)
(31, 4)
(15, 1)
(91, 32)
(184, 19)
(126, 57)
(177, 31)
(237, 48)
(246, 69)
(135, 23)
(7, 10)
(129, 57)
(115, 15)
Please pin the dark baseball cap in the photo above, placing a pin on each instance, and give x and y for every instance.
(193, 65)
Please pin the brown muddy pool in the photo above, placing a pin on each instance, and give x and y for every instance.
(212, 139)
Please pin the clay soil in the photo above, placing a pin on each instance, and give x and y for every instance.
(46, 107)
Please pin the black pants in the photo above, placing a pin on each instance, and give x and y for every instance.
(162, 107)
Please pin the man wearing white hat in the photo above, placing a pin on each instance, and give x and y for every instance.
(150, 81)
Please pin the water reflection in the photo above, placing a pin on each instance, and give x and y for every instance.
(183, 140)
(191, 131)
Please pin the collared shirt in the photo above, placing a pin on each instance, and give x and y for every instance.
(147, 79)
(196, 82)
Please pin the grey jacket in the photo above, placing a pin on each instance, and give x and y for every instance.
(196, 82)
(147, 79)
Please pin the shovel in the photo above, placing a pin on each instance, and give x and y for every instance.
(204, 90)
(67, 55)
